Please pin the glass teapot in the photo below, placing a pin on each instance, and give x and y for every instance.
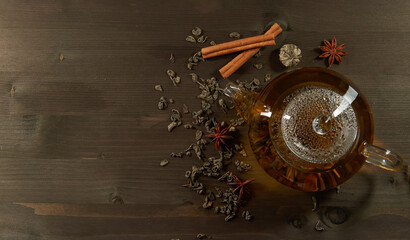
(311, 129)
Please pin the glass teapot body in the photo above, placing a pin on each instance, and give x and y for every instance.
(310, 129)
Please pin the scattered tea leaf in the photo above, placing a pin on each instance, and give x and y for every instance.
(241, 166)
(191, 65)
(255, 82)
(212, 43)
(258, 66)
(196, 31)
(175, 115)
(234, 35)
(338, 189)
(207, 204)
(173, 76)
(194, 77)
(314, 203)
(176, 155)
(243, 153)
(188, 126)
(171, 126)
(171, 100)
(230, 217)
(258, 54)
(158, 88)
(177, 80)
(171, 73)
(247, 215)
(116, 199)
(198, 135)
(202, 39)
(268, 77)
(222, 104)
(190, 39)
(185, 109)
(201, 236)
(319, 226)
(172, 58)
(163, 163)
(163, 103)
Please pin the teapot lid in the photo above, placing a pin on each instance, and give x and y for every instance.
(318, 124)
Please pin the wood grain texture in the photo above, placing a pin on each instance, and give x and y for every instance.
(77, 130)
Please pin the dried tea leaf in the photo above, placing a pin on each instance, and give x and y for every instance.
(268, 77)
(171, 126)
(243, 153)
(196, 57)
(158, 88)
(314, 203)
(234, 35)
(256, 82)
(194, 77)
(222, 104)
(338, 189)
(258, 54)
(258, 66)
(207, 204)
(212, 43)
(202, 39)
(163, 163)
(238, 147)
(171, 73)
(230, 217)
(175, 115)
(201, 236)
(176, 155)
(196, 31)
(188, 126)
(215, 95)
(177, 80)
(319, 226)
(163, 103)
(185, 109)
(247, 215)
(198, 135)
(171, 100)
(240, 121)
(190, 39)
(191, 65)
(241, 166)
(172, 58)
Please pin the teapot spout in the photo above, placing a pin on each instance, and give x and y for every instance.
(242, 99)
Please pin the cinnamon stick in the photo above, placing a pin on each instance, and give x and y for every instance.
(236, 43)
(240, 48)
(242, 58)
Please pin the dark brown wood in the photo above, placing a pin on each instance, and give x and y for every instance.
(82, 125)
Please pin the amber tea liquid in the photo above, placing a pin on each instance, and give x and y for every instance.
(305, 128)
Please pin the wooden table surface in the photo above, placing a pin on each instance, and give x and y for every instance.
(80, 130)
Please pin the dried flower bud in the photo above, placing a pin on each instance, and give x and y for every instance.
(290, 55)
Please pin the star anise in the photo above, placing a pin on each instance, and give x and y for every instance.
(241, 186)
(332, 51)
(219, 135)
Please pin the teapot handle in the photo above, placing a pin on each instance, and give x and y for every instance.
(381, 157)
